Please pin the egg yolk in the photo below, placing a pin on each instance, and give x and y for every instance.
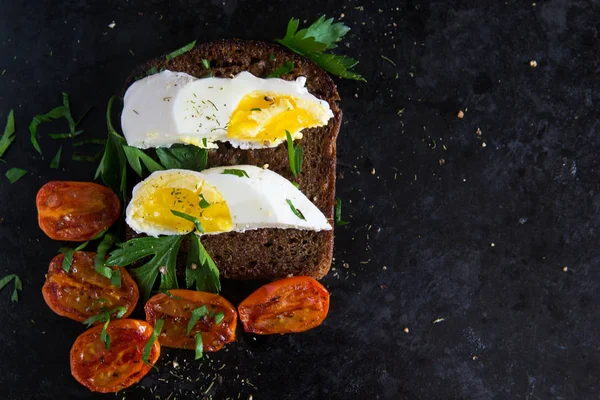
(265, 117)
(202, 201)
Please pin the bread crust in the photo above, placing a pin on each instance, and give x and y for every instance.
(270, 253)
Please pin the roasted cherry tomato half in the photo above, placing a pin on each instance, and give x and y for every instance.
(288, 305)
(82, 292)
(76, 211)
(102, 370)
(176, 307)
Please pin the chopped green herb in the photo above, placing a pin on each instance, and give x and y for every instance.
(99, 261)
(219, 318)
(171, 295)
(203, 203)
(237, 172)
(199, 346)
(295, 210)
(338, 212)
(9, 133)
(63, 111)
(183, 157)
(312, 42)
(255, 109)
(388, 60)
(197, 314)
(56, 159)
(201, 270)
(150, 343)
(286, 68)
(163, 249)
(104, 334)
(180, 51)
(295, 155)
(190, 218)
(105, 317)
(65, 135)
(151, 71)
(135, 155)
(81, 157)
(296, 185)
(271, 57)
(209, 75)
(14, 174)
(68, 255)
(205, 63)
(113, 166)
(18, 286)
(89, 141)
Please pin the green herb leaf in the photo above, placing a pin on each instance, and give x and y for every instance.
(113, 166)
(104, 334)
(199, 346)
(205, 63)
(190, 218)
(286, 68)
(105, 315)
(171, 295)
(150, 343)
(9, 133)
(203, 203)
(64, 135)
(164, 250)
(14, 174)
(99, 261)
(18, 286)
(135, 155)
(56, 159)
(89, 141)
(311, 42)
(237, 172)
(294, 210)
(255, 109)
(271, 57)
(197, 314)
(209, 75)
(180, 51)
(183, 157)
(63, 111)
(201, 270)
(338, 212)
(219, 318)
(68, 258)
(81, 157)
(295, 155)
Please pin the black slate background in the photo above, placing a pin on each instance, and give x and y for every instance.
(477, 241)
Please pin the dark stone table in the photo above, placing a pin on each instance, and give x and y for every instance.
(470, 268)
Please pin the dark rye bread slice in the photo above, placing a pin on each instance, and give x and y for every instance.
(270, 253)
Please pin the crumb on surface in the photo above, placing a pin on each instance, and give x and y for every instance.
(478, 132)
(438, 320)
(460, 114)
(112, 25)
(565, 269)
(406, 330)
(533, 63)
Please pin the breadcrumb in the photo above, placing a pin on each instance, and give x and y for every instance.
(533, 63)
(460, 114)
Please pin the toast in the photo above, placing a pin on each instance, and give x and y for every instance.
(270, 253)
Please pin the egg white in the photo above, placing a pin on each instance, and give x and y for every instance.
(255, 202)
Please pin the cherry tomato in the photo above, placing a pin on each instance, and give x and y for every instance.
(82, 292)
(176, 311)
(76, 211)
(288, 305)
(102, 370)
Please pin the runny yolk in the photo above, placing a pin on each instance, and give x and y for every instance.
(264, 117)
(155, 205)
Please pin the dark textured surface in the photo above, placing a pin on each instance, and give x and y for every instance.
(419, 246)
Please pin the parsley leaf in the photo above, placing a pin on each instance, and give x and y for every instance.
(197, 314)
(99, 261)
(295, 210)
(105, 316)
(14, 174)
(338, 212)
(163, 250)
(201, 270)
(65, 135)
(199, 346)
(237, 172)
(203, 202)
(219, 317)
(205, 63)
(9, 133)
(150, 343)
(18, 286)
(183, 157)
(135, 155)
(312, 42)
(56, 159)
(180, 51)
(68, 255)
(286, 68)
(295, 154)
(113, 166)
(190, 218)
(63, 111)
